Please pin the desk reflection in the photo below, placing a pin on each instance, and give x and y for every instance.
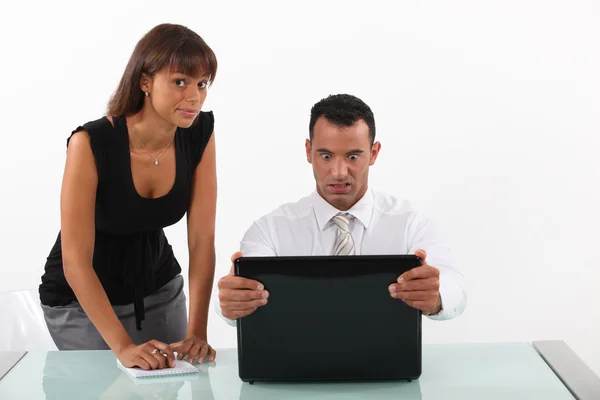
(81, 376)
(342, 390)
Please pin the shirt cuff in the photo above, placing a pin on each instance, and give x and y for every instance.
(452, 298)
(217, 308)
(231, 322)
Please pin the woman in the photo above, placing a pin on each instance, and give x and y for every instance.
(111, 279)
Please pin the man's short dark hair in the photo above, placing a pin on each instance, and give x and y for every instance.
(342, 110)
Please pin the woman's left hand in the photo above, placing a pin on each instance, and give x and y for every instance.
(192, 347)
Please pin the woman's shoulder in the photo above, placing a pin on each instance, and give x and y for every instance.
(204, 124)
(200, 131)
(105, 123)
(196, 137)
(96, 132)
(206, 116)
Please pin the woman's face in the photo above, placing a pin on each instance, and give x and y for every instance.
(174, 96)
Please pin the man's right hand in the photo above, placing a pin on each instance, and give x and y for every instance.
(239, 297)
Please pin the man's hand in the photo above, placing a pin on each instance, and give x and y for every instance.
(239, 297)
(419, 287)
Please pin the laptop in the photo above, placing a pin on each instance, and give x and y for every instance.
(329, 318)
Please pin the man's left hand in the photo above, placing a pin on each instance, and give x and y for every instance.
(419, 287)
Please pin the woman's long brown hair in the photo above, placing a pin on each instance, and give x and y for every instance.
(166, 45)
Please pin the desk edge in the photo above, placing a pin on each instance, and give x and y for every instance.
(18, 360)
(578, 378)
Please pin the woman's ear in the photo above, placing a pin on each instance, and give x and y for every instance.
(145, 82)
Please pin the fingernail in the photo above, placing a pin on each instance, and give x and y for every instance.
(260, 287)
(264, 301)
(400, 279)
(265, 294)
(392, 288)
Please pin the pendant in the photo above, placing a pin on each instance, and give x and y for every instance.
(156, 161)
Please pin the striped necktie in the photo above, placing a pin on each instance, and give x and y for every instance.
(344, 245)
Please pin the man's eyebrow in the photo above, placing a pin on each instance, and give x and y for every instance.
(353, 151)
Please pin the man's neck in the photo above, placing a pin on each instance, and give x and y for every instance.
(358, 198)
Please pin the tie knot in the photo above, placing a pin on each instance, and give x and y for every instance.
(342, 220)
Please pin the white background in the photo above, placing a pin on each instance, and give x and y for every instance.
(488, 114)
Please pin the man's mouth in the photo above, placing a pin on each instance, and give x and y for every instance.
(339, 188)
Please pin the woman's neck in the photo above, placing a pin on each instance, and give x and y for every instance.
(149, 128)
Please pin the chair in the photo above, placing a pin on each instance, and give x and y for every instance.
(23, 326)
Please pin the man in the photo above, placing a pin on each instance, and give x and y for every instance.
(345, 217)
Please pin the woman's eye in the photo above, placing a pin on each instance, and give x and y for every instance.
(180, 82)
(202, 85)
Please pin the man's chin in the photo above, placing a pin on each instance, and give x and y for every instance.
(340, 201)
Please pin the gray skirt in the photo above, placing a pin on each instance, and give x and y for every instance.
(165, 320)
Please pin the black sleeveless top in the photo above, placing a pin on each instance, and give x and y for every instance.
(132, 256)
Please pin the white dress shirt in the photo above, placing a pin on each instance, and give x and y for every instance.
(382, 224)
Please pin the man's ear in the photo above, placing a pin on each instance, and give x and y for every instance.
(308, 146)
(375, 148)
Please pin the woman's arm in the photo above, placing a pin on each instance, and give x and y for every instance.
(77, 206)
(201, 243)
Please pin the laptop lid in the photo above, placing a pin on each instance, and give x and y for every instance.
(329, 318)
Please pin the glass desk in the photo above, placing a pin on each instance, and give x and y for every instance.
(450, 371)
(9, 359)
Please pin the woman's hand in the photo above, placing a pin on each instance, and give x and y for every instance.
(150, 355)
(192, 347)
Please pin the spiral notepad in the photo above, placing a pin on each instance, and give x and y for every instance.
(181, 368)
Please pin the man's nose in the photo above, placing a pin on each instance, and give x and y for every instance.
(340, 169)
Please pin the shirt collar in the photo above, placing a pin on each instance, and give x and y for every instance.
(362, 210)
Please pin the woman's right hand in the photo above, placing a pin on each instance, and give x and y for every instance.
(150, 355)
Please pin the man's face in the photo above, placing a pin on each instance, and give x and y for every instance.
(341, 157)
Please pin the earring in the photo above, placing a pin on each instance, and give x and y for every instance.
(147, 94)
